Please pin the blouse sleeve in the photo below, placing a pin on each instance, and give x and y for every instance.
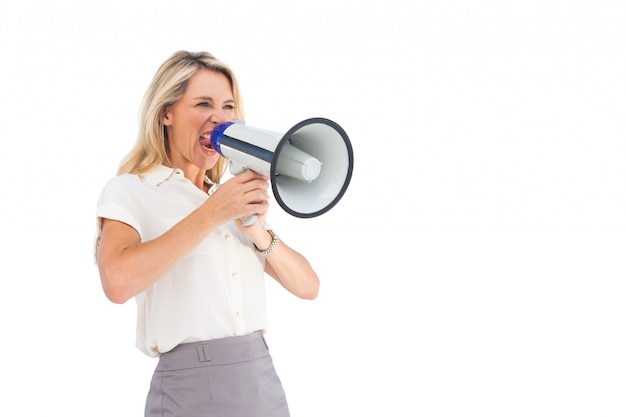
(116, 202)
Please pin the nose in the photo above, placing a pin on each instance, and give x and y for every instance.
(218, 115)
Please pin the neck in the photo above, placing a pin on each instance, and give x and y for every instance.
(192, 173)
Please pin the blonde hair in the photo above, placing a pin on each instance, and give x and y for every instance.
(167, 86)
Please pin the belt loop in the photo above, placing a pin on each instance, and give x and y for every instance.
(204, 354)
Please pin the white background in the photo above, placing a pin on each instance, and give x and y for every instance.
(475, 267)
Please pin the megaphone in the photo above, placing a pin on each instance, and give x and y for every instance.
(309, 166)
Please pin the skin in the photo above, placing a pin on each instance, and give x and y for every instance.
(128, 266)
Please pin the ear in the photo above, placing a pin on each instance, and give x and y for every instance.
(166, 116)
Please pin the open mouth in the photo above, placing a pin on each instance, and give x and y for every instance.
(205, 141)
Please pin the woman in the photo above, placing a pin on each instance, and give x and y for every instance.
(170, 235)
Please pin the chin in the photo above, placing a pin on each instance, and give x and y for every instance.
(209, 162)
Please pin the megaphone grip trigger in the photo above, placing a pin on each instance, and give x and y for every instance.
(248, 221)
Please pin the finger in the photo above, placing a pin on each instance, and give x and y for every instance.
(249, 175)
(257, 196)
(256, 185)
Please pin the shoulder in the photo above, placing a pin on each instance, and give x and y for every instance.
(154, 178)
(122, 183)
(125, 180)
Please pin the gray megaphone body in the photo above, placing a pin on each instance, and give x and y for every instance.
(309, 166)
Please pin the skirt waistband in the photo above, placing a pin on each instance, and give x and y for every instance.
(214, 352)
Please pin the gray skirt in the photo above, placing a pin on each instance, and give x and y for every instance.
(227, 377)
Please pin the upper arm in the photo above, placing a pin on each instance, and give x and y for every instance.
(115, 237)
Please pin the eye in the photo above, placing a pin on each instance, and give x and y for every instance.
(203, 104)
(229, 107)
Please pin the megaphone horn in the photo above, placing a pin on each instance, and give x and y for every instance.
(310, 166)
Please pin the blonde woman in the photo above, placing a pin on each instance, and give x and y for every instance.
(170, 238)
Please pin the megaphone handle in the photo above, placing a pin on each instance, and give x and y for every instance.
(248, 221)
(238, 168)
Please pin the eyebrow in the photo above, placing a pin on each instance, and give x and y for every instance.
(206, 98)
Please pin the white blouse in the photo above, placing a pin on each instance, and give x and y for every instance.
(216, 291)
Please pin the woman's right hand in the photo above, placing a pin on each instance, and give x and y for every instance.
(241, 196)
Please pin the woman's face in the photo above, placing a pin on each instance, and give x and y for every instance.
(207, 102)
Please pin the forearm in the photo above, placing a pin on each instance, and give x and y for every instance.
(293, 271)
